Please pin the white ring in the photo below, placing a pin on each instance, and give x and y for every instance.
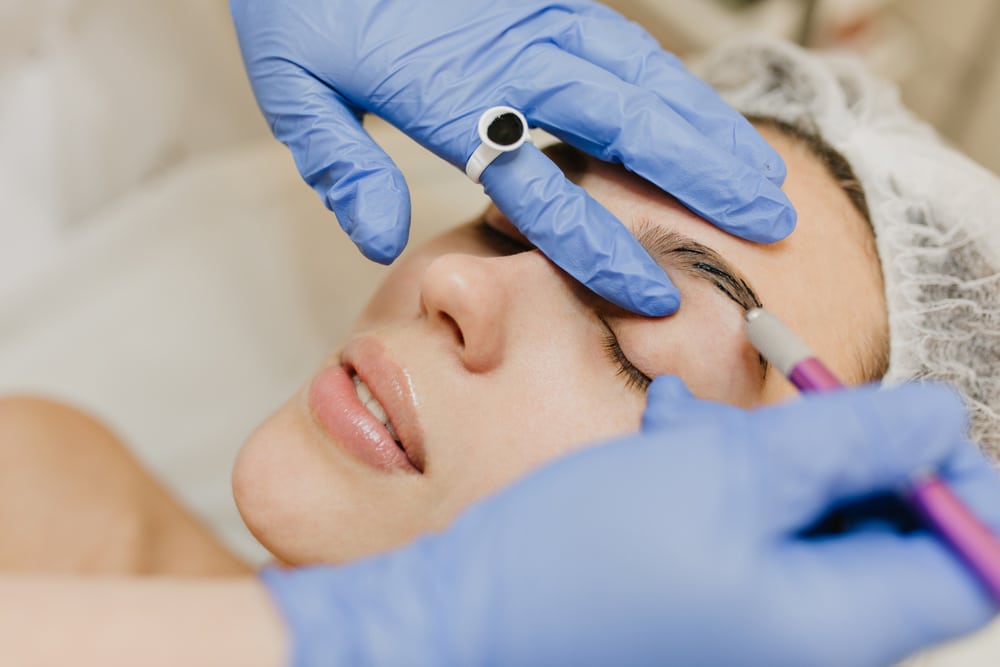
(491, 149)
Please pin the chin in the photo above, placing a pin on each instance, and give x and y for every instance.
(268, 487)
(253, 491)
(294, 504)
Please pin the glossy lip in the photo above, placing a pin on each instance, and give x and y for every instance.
(335, 405)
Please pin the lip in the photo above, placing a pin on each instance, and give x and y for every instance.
(336, 406)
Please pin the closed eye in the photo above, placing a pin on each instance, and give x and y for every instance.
(634, 378)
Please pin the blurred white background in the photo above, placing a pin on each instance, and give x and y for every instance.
(162, 265)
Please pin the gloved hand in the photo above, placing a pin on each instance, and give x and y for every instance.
(574, 68)
(681, 546)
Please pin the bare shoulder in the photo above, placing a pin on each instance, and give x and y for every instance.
(73, 499)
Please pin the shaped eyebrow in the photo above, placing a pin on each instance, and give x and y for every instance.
(667, 246)
(672, 248)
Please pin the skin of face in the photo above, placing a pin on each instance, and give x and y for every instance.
(507, 363)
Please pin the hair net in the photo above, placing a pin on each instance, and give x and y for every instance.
(936, 214)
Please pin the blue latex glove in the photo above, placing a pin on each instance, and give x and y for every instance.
(681, 546)
(575, 68)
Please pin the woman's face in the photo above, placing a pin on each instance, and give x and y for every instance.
(490, 361)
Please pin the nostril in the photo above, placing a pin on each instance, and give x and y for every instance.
(457, 330)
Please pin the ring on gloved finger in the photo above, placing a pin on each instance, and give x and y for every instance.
(501, 130)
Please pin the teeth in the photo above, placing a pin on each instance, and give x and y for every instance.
(365, 394)
(374, 407)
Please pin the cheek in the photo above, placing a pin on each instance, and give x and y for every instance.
(549, 401)
(305, 502)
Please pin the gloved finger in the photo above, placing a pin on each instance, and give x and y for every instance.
(356, 179)
(898, 593)
(838, 447)
(669, 404)
(579, 235)
(605, 38)
(666, 399)
(615, 121)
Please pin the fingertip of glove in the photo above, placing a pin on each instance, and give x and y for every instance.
(657, 301)
(757, 211)
(785, 223)
(771, 219)
(645, 289)
(379, 238)
(377, 216)
(383, 236)
(383, 249)
(670, 404)
(667, 388)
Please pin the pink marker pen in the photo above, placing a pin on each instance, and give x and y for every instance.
(942, 511)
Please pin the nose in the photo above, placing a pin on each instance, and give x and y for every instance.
(467, 297)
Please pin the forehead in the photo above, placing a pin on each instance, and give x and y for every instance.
(823, 280)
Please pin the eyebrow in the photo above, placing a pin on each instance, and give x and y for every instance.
(667, 246)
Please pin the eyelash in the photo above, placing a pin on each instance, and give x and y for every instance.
(634, 378)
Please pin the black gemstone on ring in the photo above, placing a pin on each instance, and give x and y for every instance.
(505, 130)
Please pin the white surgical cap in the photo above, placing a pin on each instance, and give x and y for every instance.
(936, 214)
